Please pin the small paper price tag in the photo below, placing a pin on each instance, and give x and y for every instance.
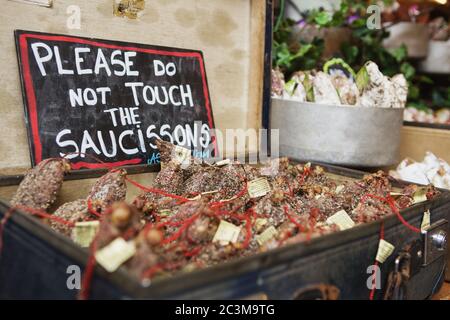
(342, 220)
(339, 188)
(260, 223)
(420, 195)
(182, 155)
(84, 232)
(396, 194)
(226, 233)
(115, 254)
(426, 220)
(164, 212)
(385, 249)
(268, 234)
(258, 187)
(222, 163)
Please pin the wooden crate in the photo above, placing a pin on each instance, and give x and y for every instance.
(416, 140)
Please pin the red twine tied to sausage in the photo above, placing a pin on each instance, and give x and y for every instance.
(91, 209)
(157, 191)
(292, 219)
(89, 270)
(391, 202)
(240, 194)
(306, 172)
(35, 212)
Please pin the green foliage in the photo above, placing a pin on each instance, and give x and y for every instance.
(441, 97)
(366, 44)
(362, 79)
(308, 88)
(291, 57)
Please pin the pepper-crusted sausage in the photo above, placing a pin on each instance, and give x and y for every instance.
(110, 188)
(41, 184)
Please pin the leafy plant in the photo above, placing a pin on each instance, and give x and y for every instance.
(290, 56)
(365, 44)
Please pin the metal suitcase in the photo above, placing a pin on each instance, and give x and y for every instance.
(35, 259)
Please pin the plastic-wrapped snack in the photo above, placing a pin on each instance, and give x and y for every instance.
(41, 184)
(110, 188)
(324, 90)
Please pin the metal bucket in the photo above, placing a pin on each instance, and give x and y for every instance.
(344, 135)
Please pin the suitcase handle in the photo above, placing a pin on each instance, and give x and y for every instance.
(320, 291)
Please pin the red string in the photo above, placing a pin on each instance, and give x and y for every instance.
(291, 191)
(193, 252)
(43, 214)
(394, 208)
(292, 219)
(158, 191)
(248, 232)
(306, 172)
(391, 202)
(147, 274)
(240, 194)
(180, 230)
(89, 270)
(32, 211)
(98, 160)
(372, 292)
(92, 210)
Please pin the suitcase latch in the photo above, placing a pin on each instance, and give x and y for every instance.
(435, 241)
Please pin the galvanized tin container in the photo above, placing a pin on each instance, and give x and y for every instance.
(344, 135)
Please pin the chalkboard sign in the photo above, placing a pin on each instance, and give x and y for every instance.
(89, 99)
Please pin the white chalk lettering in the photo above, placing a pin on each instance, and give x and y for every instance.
(41, 59)
(125, 150)
(79, 60)
(59, 65)
(67, 143)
